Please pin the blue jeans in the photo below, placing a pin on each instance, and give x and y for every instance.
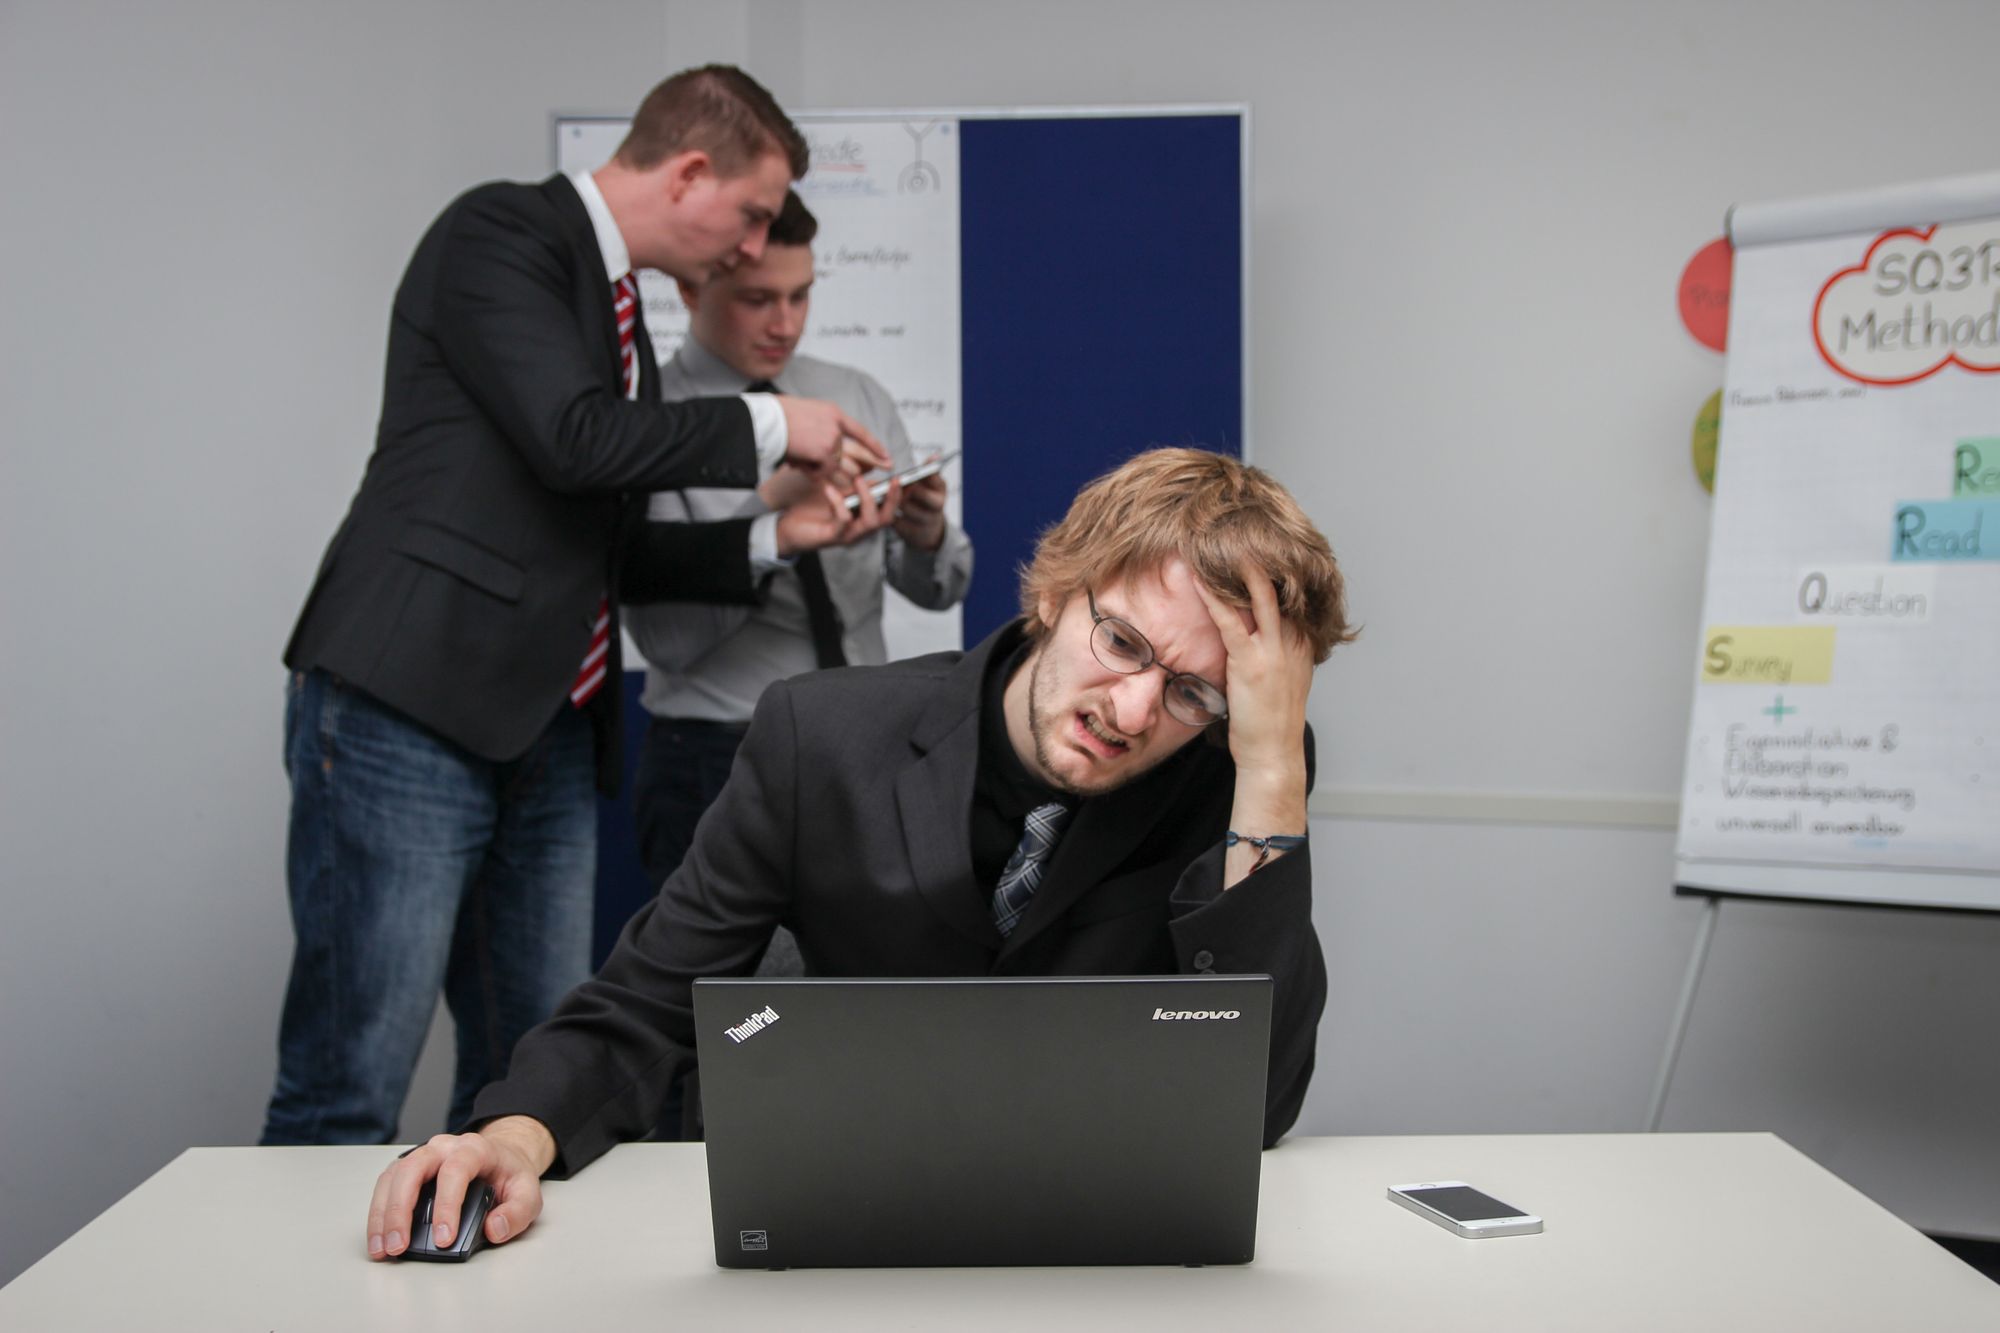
(414, 866)
(682, 768)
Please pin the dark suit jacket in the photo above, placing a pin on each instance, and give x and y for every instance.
(461, 587)
(848, 819)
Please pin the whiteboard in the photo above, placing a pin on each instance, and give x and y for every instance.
(885, 291)
(1846, 711)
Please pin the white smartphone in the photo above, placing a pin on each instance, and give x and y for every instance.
(880, 489)
(1459, 1208)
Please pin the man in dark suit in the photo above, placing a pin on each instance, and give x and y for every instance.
(455, 670)
(1113, 784)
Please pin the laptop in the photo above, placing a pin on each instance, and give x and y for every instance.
(978, 1121)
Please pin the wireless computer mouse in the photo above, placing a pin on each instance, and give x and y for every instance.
(471, 1225)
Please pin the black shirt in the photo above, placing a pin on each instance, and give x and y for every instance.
(1003, 790)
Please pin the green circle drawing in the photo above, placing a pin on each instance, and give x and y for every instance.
(1707, 427)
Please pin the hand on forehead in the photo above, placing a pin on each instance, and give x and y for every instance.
(1166, 605)
(1179, 583)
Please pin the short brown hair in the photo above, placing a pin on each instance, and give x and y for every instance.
(718, 110)
(795, 224)
(1209, 510)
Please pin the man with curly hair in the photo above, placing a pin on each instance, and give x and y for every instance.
(1146, 716)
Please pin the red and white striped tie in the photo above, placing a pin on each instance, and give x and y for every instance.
(625, 305)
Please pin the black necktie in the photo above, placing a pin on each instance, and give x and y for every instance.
(822, 616)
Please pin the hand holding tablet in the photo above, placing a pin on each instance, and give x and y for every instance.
(879, 489)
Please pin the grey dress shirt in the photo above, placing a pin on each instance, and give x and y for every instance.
(713, 662)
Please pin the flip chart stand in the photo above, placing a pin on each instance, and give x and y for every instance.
(1704, 936)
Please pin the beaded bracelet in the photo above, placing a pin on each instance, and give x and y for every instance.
(1277, 842)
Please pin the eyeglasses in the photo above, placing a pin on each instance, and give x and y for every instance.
(1189, 699)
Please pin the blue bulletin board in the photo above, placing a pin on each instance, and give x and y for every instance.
(1102, 280)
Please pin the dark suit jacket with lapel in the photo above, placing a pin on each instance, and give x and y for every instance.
(847, 818)
(461, 588)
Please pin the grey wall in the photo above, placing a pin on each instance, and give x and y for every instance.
(1468, 226)
(207, 207)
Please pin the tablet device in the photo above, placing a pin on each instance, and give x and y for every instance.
(880, 489)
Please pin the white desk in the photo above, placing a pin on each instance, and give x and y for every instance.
(1681, 1232)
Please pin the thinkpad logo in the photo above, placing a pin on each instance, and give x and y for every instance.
(1194, 1015)
(752, 1025)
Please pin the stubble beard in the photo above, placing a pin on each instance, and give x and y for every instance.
(1042, 724)
(1039, 726)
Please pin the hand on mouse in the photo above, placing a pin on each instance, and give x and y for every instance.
(510, 1154)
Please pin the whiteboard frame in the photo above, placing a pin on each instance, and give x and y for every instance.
(1949, 199)
(1918, 888)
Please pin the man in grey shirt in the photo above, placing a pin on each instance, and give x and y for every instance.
(823, 574)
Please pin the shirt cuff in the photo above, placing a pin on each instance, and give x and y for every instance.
(921, 568)
(764, 557)
(767, 420)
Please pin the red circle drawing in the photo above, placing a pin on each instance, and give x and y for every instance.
(1705, 293)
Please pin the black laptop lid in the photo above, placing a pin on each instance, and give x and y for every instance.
(1063, 1120)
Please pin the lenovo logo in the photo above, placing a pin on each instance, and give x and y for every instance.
(752, 1025)
(1193, 1015)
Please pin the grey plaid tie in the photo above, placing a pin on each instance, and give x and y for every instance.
(1023, 874)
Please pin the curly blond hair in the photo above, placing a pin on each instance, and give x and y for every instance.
(1211, 511)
